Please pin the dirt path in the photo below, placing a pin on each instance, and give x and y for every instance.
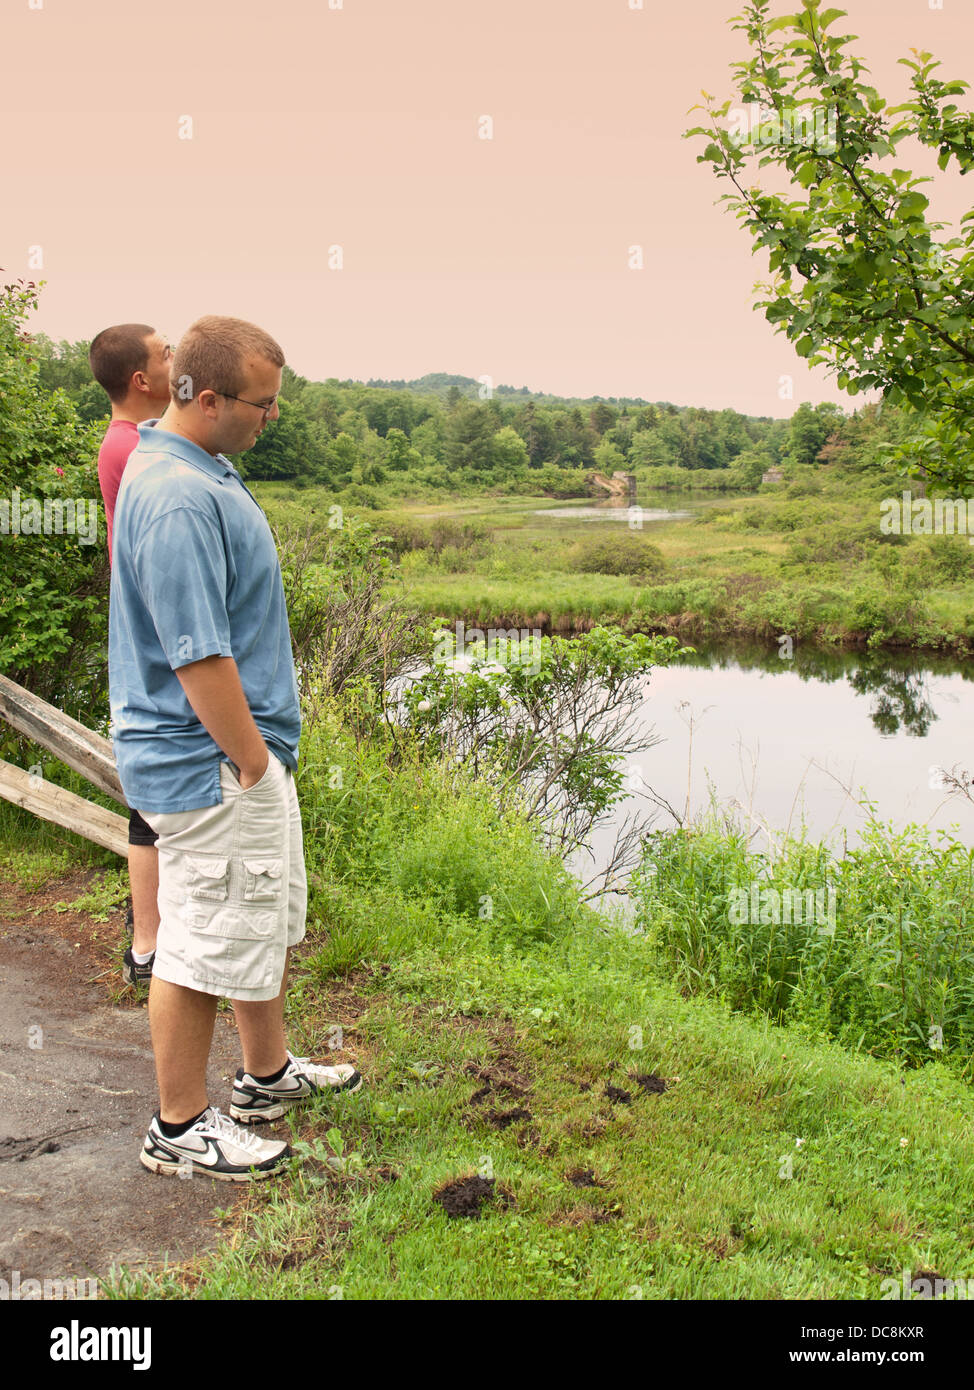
(77, 1090)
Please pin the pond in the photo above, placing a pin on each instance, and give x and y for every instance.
(804, 739)
(615, 510)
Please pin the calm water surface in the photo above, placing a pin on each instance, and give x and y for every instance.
(784, 740)
(787, 742)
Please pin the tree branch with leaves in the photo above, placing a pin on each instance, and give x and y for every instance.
(863, 281)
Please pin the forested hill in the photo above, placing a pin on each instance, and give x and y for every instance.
(440, 384)
(437, 434)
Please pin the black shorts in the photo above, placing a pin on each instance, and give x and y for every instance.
(139, 832)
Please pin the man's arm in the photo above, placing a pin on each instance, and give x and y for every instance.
(212, 686)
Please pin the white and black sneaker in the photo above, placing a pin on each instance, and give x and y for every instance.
(134, 973)
(252, 1101)
(214, 1145)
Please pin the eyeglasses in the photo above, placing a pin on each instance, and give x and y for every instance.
(265, 408)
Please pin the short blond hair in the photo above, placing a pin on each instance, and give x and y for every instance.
(211, 356)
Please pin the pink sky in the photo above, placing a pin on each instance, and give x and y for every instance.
(357, 126)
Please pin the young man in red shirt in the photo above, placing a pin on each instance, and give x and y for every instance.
(131, 362)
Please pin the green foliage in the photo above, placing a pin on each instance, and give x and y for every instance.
(809, 429)
(426, 840)
(106, 895)
(53, 619)
(294, 447)
(64, 366)
(619, 554)
(862, 283)
(508, 451)
(610, 459)
(546, 721)
(898, 966)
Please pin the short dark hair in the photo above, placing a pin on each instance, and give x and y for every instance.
(118, 352)
(212, 353)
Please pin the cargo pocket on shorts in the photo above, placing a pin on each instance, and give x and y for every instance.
(263, 880)
(206, 877)
(235, 948)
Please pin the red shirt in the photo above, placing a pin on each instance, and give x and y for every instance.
(120, 439)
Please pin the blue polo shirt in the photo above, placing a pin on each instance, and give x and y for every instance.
(195, 573)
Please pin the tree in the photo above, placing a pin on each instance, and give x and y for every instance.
(428, 438)
(576, 439)
(53, 563)
(860, 281)
(508, 452)
(807, 434)
(343, 455)
(750, 466)
(547, 722)
(397, 451)
(650, 450)
(602, 417)
(65, 366)
(609, 459)
(322, 403)
(536, 429)
(468, 434)
(291, 447)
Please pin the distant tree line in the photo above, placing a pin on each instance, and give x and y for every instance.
(438, 432)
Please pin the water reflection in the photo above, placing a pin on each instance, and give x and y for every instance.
(900, 683)
(902, 699)
(611, 511)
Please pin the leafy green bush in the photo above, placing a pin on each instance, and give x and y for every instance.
(416, 832)
(894, 977)
(618, 554)
(54, 616)
(408, 533)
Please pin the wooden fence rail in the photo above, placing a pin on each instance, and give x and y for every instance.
(77, 746)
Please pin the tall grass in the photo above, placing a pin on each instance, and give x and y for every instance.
(814, 566)
(892, 974)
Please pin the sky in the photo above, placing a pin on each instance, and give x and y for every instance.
(356, 124)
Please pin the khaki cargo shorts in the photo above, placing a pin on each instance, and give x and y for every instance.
(233, 893)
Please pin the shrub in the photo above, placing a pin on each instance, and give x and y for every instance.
(619, 554)
(895, 977)
(53, 619)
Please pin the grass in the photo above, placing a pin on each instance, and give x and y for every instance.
(809, 561)
(770, 1165)
(883, 961)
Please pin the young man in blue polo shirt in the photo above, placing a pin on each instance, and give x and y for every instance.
(206, 723)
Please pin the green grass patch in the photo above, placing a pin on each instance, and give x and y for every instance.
(753, 1160)
(808, 560)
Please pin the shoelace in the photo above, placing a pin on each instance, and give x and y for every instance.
(227, 1129)
(314, 1066)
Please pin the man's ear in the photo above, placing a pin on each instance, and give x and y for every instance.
(207, 401)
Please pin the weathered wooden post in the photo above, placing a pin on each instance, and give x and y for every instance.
(81, 749)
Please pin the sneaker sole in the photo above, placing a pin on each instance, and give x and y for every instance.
(169, 1170)
(274, 1112)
